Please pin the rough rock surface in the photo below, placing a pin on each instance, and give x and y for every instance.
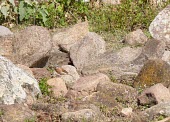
(6, 48)
(58, 86)
(82, 115)
(154, 95)
(160, 26)
(31, 46)
(118, 63)
(136, 38)
(4, 31)
(157, 110)
(166, 57)
(71, 36)
(154, 71)
(16, 113)
(16, 85)
(86, 85)
(40, 73)
(89, 48)
(72, 75)
(153, 49)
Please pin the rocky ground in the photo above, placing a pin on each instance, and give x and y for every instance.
(70, 76)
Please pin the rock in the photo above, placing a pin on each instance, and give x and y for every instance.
(127, 112)
(154, 95)
(122, 93)
(6, 48)
(113, 2)
(153, 72)
(16, 113)
(166, 57)
(160, 26)
(58, 86)
(26, 69)
(58, 58)
(82, 115)
(71, 77)
(152, 50)
(4, 31)
(118, 64)
(87, 85)
(16, 85)
(88, 49)
(70, 36)
(40, 73)
(136, 38)
(162, 109)
(32, 46)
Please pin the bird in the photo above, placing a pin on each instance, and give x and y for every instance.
(60, 70)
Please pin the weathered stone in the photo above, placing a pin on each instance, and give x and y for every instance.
(127, 112)
(160, 26)
(136, 38)
(156, 110)
(154, 71)
(154, 95)
(82, 115)
(86, 85)
(40, 73)
(71, 76)
(16, 113)
(166, 57)
(71, 36)
(25, 69)
(153, 49)
(16, 85)
(121, 93)
(6, 48)
(117, 63)
(58, 86)
(31, 46)
(58, 58)
(88, 49)
(4, 31)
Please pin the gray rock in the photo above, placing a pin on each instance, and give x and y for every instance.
(82, 115)
(16, 85)
(88, 49)
(4, 31)
(136, 38)
(67, 38)
(153, 49)
(157, 110)
(160, 26)
(16, 113)
(31, 46)
(154, 95)
(6, 46)
(71, 77)
(166, 57)
(117, 63)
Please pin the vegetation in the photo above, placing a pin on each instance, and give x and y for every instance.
(44, 87)
(117, 19)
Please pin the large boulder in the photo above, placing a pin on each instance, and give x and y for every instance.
(16, 85)
(154, 71)
(88, 49)
(160, 26)
(67, 38)
(4, 31)
(31, 46)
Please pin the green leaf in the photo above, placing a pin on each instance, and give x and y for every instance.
(28, 2)
(12, 2)
(4, 10)
(22, 11)
(44, 15)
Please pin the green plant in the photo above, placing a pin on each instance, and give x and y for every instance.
(30, 120)
(44, 87)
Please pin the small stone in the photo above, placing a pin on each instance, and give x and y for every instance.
(127, 112)
(4, 31)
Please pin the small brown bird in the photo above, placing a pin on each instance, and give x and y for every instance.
(60, 70)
